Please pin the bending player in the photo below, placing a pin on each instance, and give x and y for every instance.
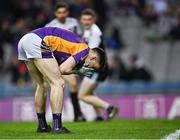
(93, 36)
(63, 21)
(38, 49)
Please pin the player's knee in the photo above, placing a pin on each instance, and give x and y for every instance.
(40, 86)
(81, 97)
(57, 83)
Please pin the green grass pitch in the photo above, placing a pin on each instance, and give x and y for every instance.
(116, 129)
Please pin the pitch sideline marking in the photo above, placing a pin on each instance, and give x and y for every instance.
(173, 136)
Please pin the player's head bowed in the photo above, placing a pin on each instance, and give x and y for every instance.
(96, 59)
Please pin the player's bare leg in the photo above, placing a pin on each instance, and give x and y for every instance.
(86, 95)
(40, 97)
(50, 70)
(72, 84)
(41, 91)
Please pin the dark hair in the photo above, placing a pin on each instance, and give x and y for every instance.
(88, 11)
(102, 57)
(61, 5)
(134, 57)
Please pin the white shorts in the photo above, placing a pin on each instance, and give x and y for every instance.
(93, 79)
(97, 77)
(30, 47)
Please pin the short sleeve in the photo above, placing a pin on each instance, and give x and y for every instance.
(81, 55)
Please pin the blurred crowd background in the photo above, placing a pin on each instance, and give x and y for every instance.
(142, 36)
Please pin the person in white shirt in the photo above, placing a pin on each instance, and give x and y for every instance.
(63, 21)
(93, 37)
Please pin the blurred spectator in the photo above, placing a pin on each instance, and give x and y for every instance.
(136, 7)
(137, 70)
(160, 6)
(5, 34)
(117, 69)
(20, 28)
(102, 12)
(19, 73)
(5, 38)
(40, 20)
(174, 33)
(22, 8)
(78, 6)
(166, 20)
(115, 42)
(150, 16)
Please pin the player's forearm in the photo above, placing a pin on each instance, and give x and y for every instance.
(66, 67)
(68, 72)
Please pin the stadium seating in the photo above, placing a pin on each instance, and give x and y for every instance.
(160, 57)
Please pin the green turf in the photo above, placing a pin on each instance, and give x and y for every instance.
(117, 129)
